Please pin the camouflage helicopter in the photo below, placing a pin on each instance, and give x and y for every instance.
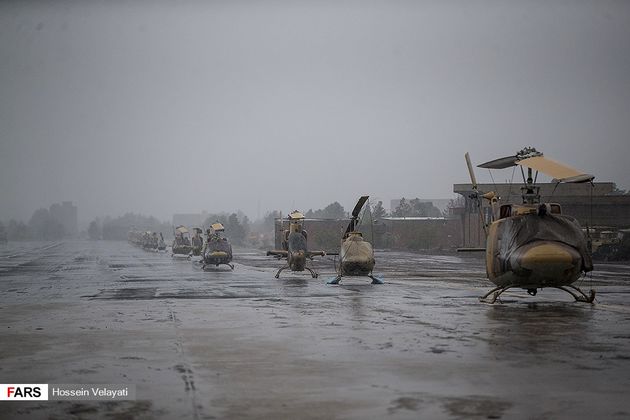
(217, 249)
(181, 244)
(533, 245)
(356, 257)
(294, 247)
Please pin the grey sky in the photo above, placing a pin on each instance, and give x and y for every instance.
(182, 106)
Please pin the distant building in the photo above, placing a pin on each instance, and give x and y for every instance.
(190, 219)
(67, 215)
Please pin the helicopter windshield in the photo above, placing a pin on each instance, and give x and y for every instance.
(519, 231)
(297, 242)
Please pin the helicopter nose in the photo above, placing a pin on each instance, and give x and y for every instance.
(549, 259)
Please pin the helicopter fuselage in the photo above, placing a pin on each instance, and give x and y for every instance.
(296, 252)
(294, 247)
(357, 256)
(532, 251)
(218, 251)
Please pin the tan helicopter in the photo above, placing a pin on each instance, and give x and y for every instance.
(356, 257)
(294, 247)
(217, 249)
(181, 246)
(533, 245)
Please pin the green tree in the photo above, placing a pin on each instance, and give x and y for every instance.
(43, 226)
(331, 211)
(118, 228)
(235, 229)
(94, 231)
(216, 218)
(403, 209)
(378, 212)
(18, 231)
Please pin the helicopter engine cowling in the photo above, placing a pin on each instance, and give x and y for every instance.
(357, 256)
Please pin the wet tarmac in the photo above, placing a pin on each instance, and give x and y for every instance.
(242, 344)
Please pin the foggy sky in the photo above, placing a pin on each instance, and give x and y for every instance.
(258, 105)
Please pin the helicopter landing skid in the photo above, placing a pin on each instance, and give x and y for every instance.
(337, 280)
(577, 294)
(580, 296)
(313, 273)
(280, 271)
(228, 264)
(334, 280)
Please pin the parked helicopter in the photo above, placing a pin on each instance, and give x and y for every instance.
(294, 247)
(217, 249)
(151, 241)
(134, 237)
(533, 245)
(181, 244)
(356, 257)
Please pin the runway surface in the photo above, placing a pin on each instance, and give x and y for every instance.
(242, 344)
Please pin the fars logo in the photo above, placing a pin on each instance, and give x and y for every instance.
(23, 392)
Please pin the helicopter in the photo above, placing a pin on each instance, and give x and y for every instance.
(533, 245)
(181, 244)
(294, 247)
(356, 257)
(217, 249)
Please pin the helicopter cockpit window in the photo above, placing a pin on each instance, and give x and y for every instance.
(297, 242)
(555, 208)
(505, 211)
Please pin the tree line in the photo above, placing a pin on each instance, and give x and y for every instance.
(41, 226)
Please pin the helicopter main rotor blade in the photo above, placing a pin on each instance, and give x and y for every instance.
(471, 172)
(501, 163)
(560, 171)
(355, 213)
(359, 206)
